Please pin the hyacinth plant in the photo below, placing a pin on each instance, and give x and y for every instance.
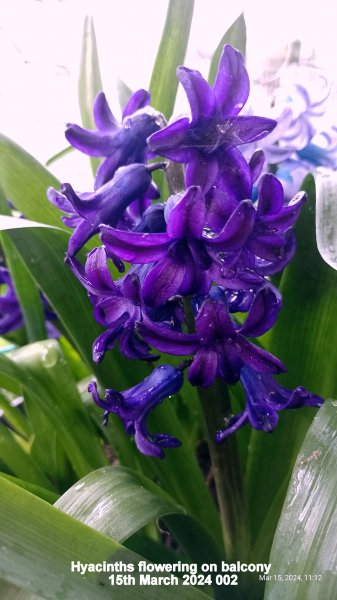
(182, 286)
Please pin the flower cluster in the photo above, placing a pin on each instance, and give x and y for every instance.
(305, 136)
(195, 266)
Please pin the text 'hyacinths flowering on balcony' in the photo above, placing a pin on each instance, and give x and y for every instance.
(194, 263)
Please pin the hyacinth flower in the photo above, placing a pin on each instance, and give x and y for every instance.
(198, 261)
(219, 346)
(134, 405)
(117, 306)
(264, 399)
(184, 252)
(303, 138)
(106, 205)
(210, 139)
(120, 144)
(11, 317)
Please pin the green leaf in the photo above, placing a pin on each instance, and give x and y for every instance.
(305, 539)
(59, 155)
(26, 291)
(45, 362)
(118, 502)
(20, 379)
(89, 83)
(14, 415)
(20, 463)
(43, 541)
(326, 216)
(115, 501)
(25, 182)
(42, 250)
(304, 339)
(46, 495)
(124, 93)
(236, 36)
(171, 54)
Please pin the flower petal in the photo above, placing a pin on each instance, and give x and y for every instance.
(258, 359)
(167, 340)
(231, 87)
(139, 99)
(201, 170)
(135, 247)
(199, 93)
(263, 312)
(169, 140)
(202, 371)
(163, 281)
(94, 143)
(271, 196)
(237, 229)
(103, 117)
(188, 216)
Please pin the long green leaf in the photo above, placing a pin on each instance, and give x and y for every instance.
(89, 83)
(43, 251)
(304, 338)
(47, 495)
(19, 379)
(171, 54)
(59, 155)
(43, 541)
(14, 416)
(115, 501)
(305, 540)
(18, 461)
(237, 37)
(26, 291)
(118, 502)
(25, 182)
(45, 362)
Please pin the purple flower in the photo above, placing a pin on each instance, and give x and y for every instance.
(270, 244)
(134, 405)
(219, 346)
(264, 399)
(118, 306)
(120, 144)
(10, 312)
(185, 252)
(106, 205)
(209, 140)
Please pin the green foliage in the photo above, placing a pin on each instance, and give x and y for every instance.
(305, 539)
(171, 54)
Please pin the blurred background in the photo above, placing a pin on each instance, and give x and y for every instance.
(40, 45)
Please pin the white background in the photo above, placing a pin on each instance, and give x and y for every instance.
(40, 44)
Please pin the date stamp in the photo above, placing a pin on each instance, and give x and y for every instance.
(291, 577)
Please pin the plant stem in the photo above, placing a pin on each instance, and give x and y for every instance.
(216, 406)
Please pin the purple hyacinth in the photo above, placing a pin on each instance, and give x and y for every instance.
(219, 346)
(117, 306)
(134, 405)
(208, 141)
(120, 144)
(106, 205)
(264, 399)
(197, 284)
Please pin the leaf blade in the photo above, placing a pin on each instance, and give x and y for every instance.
(171, 53)
(309, 518)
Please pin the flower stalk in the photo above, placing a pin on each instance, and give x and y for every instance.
(215, 407)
